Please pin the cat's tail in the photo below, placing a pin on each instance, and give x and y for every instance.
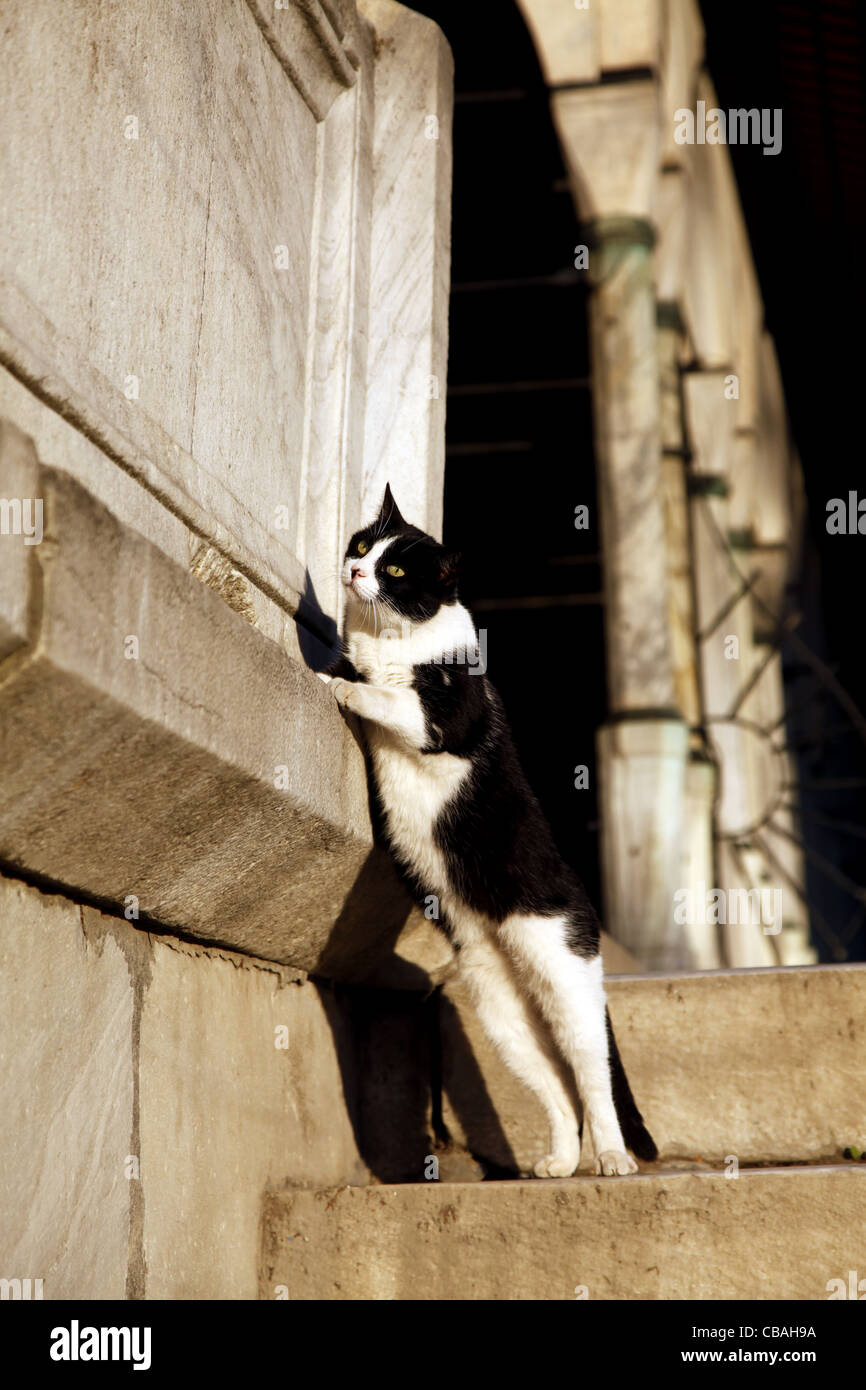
(635, 1133)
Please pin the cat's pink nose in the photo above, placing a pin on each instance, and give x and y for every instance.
(356, 570)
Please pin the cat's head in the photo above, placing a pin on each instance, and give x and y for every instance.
(394, 568)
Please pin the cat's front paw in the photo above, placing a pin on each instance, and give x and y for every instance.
(614, 1163)
(341, 690)
(556, 1165)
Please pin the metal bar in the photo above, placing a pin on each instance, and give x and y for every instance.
(791, 621)
(727, 608)
(845, 827)
(856, 891)
(821, 669)
(819, 920)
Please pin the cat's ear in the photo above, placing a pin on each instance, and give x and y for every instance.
(449, 570)
(389, 512)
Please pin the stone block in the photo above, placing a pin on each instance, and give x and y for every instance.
(226, 1111)
(151, 1092)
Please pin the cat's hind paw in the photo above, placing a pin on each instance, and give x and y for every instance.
(556, 1166)
(614, 1163)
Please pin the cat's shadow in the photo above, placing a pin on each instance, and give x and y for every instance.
(388, 1041)
(317, 632)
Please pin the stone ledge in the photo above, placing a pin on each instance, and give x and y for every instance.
(155, 776)
(770, 1234)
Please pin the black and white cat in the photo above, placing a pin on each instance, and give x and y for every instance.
(464, 824)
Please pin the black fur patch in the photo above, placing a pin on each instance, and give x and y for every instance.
(499, 848)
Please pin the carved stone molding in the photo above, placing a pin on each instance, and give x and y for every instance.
(314, 44)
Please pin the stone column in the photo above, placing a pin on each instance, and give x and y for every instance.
(701, 942)
(609, 135)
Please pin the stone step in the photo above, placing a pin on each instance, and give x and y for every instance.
(772, 1233)
(762, 1065)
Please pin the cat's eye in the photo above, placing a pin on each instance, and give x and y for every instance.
(362, 547)
(396, 572)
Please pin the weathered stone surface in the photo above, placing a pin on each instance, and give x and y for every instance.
(136, 771)
(762, 1064)
(682, 53)
(118, 1046)
(567, 40)
(159, 180)
(317, 50)
(225, 1111)
(718, 286)
(66, 1097)
(630, 34)
(610, 139)
(577, 43)
(147, 1104)
(209, 335)
(771, 1234)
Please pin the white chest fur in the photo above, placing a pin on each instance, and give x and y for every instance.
(414, 787)
(387, 655)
